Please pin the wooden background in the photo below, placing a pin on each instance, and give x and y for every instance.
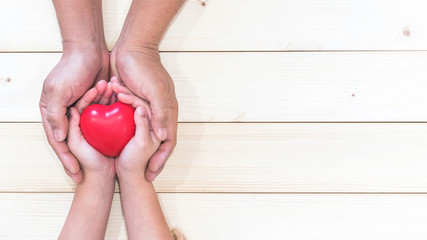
(298, 120)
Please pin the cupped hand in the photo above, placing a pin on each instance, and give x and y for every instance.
(91, 161)
(75, 73)
(134, 158)
(143, 74)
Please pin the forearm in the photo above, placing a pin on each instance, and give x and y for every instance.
(146, 23)
(81, 25)
(89, 212)
(141, 208)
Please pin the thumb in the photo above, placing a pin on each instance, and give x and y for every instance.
(160, 118)
(142, 132)
(56, 116)
(74, 131)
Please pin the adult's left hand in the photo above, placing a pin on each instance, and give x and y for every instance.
(143, 74)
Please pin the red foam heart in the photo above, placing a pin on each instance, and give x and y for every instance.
(108, 128)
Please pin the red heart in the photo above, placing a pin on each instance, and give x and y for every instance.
(108, 128)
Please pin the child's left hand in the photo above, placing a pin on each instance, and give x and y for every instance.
(91, 161)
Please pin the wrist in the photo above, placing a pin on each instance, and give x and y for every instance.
(96, 188)
(88, 47)
(132, 178)
(95, 55)
(147, 49)
(101, 178)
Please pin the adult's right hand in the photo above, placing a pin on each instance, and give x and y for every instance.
(75, 73)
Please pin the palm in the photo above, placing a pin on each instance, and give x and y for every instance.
(90, 158)
(144, 75)
(126, 160)
(141, 72)
(65, 84)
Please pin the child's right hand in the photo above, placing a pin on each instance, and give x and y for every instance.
(134, 159)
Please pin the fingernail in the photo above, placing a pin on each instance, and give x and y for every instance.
(58, 135)
(162, 133)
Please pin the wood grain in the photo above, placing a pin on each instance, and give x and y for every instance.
(240, 157)
(222, 25)
(238, 216)
(258, 87)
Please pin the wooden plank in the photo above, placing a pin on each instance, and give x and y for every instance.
(238, 216)
(222, 25)
(262, 157)
(225, 87)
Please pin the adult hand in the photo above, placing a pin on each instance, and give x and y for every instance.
(75, 73)
(143, 74)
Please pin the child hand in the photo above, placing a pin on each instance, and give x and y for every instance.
(133, 160)
(91, 161)
(126, 96)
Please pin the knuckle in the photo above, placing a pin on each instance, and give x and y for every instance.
(163, 86)
(52, 116)
(50, 86)
(162, 115)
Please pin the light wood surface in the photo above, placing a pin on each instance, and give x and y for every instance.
(278, 87)
(238, 216)
(249, 75)
(237, 157)
(223, 25)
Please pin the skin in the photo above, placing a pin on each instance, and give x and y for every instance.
(89, 212)
(141, 208)
(134, 60)
(91, 205)
(84, 61)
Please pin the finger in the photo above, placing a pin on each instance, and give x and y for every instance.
(135, 102)
(151, 176)
(56, 111)
(120, 88)
(154, 139)
(74, 132)
(106, 97)
(101, 86)
(86, 100)
(61, 149)
(142, 132)
(126, 98)
(113, 98)
(160, 157)
(160, 117)
(69, 162)
(116, 79)
(76, 177)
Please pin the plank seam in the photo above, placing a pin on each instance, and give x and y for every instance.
(258, 193)
(256, 51)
